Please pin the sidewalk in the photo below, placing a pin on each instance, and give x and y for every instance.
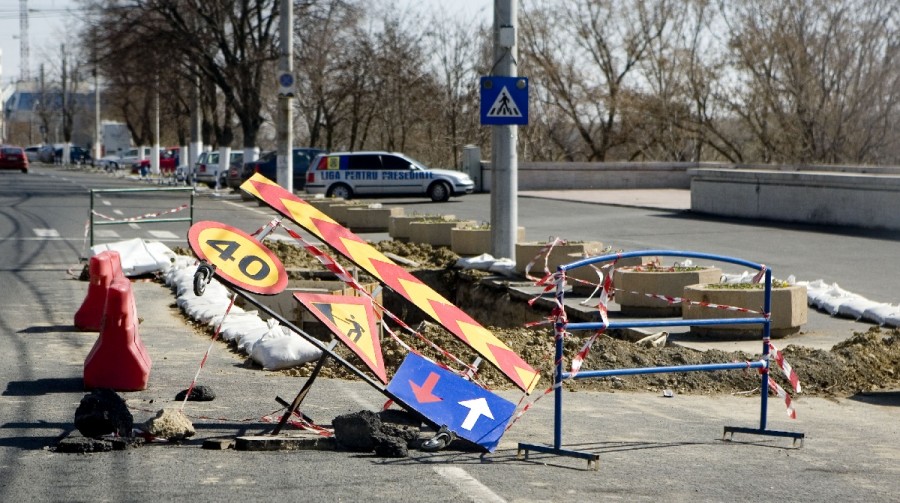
(664, 199)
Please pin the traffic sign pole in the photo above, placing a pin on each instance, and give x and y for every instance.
(504, 161)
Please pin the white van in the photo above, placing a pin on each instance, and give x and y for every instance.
(347, 174)
(207, 169)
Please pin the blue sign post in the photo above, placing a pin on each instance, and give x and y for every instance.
(504, 101)
(466, 409)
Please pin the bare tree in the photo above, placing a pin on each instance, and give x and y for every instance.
(455, 59)
(584, 52)
(820, 79)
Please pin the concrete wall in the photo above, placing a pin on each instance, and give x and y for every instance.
(859, 197)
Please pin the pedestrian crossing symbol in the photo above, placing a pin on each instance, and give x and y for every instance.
(504, 106)
(504, 101)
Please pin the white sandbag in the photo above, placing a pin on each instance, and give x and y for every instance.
(880, 313)
(814, 291)
(248, 340)
(235, 328)
(854, 306)
(832, 298)
(234, 331)
(276, 353)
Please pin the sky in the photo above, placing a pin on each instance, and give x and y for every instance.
(48, 21)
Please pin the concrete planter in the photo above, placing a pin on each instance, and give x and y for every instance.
(631, 285)
(435, 233)
(371, 219)
(789, 310)
(561, 254)
(398, 227)
(475, 241)
(340, 212)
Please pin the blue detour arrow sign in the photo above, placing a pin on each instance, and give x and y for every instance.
(466, 409)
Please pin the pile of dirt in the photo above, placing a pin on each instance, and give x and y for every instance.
(865, 362)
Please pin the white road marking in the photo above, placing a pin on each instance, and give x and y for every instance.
(118, 212)
(134, 225)
(47, 233)
(105, 233)
(107, 203)
(468, 485)
(163, 234)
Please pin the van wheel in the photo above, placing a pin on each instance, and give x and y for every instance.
(339, 190)
(439, 192)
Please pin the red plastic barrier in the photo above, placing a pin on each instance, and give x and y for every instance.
(103, 268)
(118, 359)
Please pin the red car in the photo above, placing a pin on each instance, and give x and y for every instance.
(13, 158)
(168, 161)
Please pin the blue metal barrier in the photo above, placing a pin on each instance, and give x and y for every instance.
(560, 375)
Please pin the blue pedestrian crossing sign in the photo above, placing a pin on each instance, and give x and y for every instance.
(466, 409)
(504, 101)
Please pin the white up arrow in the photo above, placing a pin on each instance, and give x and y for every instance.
(477, 408)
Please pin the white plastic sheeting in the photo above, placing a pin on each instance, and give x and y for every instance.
(266, 342)
(138, 256)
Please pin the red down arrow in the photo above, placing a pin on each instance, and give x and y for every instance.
(424, 393)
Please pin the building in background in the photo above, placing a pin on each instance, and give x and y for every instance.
(33, 115)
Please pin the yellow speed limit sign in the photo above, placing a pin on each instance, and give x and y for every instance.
(239, 259)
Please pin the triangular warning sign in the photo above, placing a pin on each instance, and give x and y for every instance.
(504, 106)
(352, 319)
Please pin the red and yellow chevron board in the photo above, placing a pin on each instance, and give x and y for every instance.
(396, 277)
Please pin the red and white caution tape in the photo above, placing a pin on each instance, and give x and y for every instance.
(141, 217)
(544, 252)
(783, 394)
(681, 300)
(760, 275)
(789, 372)
(206, 355)
(348, 278)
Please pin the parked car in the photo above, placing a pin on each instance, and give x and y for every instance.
(168, 161)
(133, 155)
(207, 169)
(109, 162)
(52, 154)
(348, 174)
(13, 158)
(47, 154)
(31, 153)
(267, 165)
(79, 155)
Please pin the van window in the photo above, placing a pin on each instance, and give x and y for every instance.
(364, 162)
(393, 162)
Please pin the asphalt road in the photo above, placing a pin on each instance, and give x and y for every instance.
(652, 448)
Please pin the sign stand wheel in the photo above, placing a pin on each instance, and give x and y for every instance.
(440, 440)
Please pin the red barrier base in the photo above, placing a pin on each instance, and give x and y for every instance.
(103, 268)
(118, 359)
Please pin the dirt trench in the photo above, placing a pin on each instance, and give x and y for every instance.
(866, 362)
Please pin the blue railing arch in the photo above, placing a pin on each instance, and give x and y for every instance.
(560, 375)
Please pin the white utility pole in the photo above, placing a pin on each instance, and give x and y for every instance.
(504, 163)
(285, 162)
(154, 151)
(98, 149)
(190, 159)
